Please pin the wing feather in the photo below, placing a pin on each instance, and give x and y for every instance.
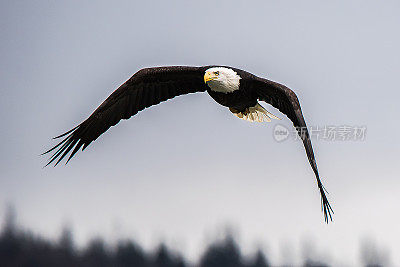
(145, 88)
(284, 99)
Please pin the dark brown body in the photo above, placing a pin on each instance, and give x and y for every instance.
(238, 100)
(241, 99)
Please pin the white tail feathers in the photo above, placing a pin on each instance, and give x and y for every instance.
(256, 113)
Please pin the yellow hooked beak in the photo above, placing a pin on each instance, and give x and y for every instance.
(209, 76)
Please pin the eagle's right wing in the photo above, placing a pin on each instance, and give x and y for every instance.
(145, 88)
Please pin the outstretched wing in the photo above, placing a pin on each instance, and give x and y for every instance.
(286, 101)
(145, 88)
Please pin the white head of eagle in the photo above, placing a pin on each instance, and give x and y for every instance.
(221, 79)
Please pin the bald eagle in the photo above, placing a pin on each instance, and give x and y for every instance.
(236, 89)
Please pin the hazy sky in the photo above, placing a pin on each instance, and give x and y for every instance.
(181, 171)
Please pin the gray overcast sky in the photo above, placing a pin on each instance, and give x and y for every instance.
(180, 171)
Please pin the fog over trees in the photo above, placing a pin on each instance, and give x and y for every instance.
(22, 248)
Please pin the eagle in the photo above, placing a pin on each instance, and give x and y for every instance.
(236, 89)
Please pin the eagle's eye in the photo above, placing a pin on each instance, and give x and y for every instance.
(216, 73)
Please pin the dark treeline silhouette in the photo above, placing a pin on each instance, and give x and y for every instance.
(22, 248)
(19, 248)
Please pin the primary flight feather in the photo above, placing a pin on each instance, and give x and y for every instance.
(236, 89)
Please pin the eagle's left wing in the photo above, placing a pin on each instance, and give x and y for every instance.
(284, 99)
